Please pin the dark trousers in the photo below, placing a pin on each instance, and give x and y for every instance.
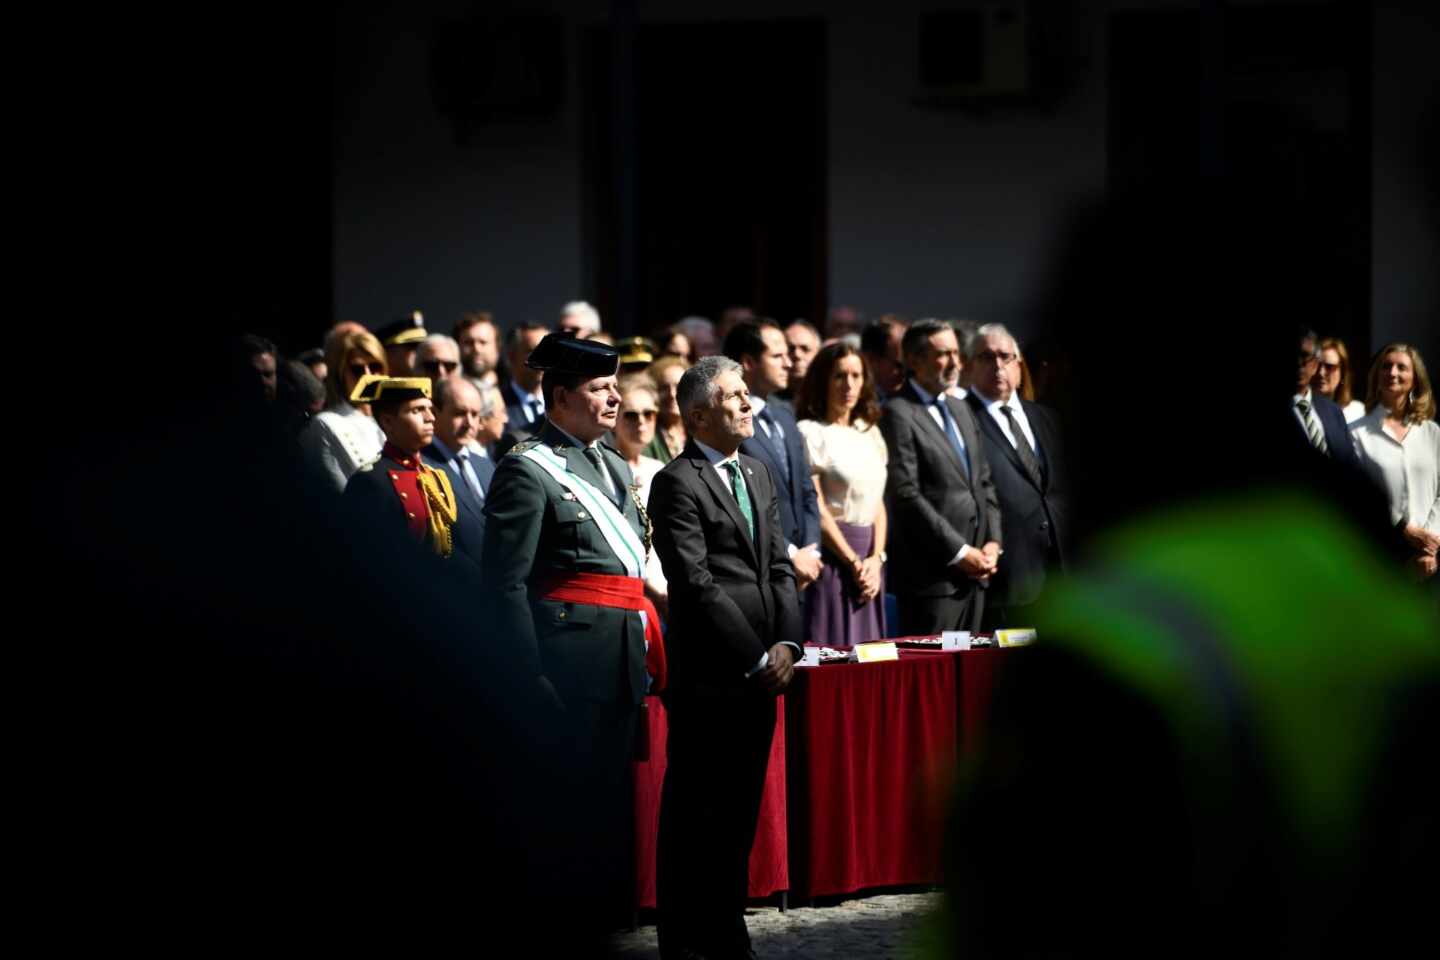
(583, 817)
(926, 616)
(718, 750)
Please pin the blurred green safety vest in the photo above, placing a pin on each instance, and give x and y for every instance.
(1261, 618)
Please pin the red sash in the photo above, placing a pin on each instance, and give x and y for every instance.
(620, 593)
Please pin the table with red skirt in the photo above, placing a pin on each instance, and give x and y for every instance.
(866, 754)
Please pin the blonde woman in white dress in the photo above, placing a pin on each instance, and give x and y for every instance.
(344, 437)
(1399, 446)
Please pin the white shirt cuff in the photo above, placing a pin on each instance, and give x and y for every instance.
(764, 661)
(961, 555)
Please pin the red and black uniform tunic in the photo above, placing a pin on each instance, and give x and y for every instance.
(389, 491)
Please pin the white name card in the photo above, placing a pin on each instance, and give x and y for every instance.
(1015, 638)
(876, 652)
(811, 658)
(955, 640)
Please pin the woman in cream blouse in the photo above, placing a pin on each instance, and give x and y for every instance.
(1399, 446)
(837, 412)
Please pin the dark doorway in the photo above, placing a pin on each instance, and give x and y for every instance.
(728, 158)
(1274, 100)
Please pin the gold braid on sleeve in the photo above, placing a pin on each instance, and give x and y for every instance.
(648, 536)
(440, 498)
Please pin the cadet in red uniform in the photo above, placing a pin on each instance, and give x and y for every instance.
(399, 489)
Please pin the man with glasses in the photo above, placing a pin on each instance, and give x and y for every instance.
(939, 494)
(438, 357)
(1022, 443)
(1320, 422)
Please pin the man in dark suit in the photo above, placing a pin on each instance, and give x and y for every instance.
(939, 494)
(759, 347)
(1022, 443)
(880, 346)
(524, 399)
(1320, 422)
(564, 555)
(457, 418)
(733, 639)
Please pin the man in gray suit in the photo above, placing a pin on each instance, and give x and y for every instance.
(939, 494)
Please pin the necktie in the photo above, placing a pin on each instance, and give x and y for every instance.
(534, 409)
(598, 462)
(737, 487)
(467, 473)
(952, 433)
(1312, 427)
(777, 440)
(1022, 445)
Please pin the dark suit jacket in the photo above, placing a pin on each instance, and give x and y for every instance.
(534, 530)
(731, 598)
(1337, 434)
(516, 412)
(469, 529)
(799, 509)
(934, 506)
(1034, 520)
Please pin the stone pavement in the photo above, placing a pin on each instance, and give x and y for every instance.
(887, 926)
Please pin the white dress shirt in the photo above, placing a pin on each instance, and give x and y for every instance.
(461, 467)
(532, 403)
(1408, 470)
(997, 413)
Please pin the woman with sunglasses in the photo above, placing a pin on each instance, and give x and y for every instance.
(344, 437)
(1332, 379)
(669, 438)
(634, 430)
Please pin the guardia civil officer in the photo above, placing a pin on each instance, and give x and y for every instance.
(564, 556)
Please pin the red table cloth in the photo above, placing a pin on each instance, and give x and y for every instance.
(769, 863)
(872, 755)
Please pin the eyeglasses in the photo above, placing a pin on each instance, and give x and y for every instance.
(446, 367)
(360, 369)
(1329, 367)
(999, 359)
(634, 416)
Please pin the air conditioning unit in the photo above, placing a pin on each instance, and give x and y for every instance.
(974, 53)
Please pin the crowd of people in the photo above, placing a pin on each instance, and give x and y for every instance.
(843, 421)
(682, 513)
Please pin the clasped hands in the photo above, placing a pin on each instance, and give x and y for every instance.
(1428, 544)
(808, 565)
(981, 564)
(865, 571)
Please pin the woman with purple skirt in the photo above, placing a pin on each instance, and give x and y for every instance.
(838, 411)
